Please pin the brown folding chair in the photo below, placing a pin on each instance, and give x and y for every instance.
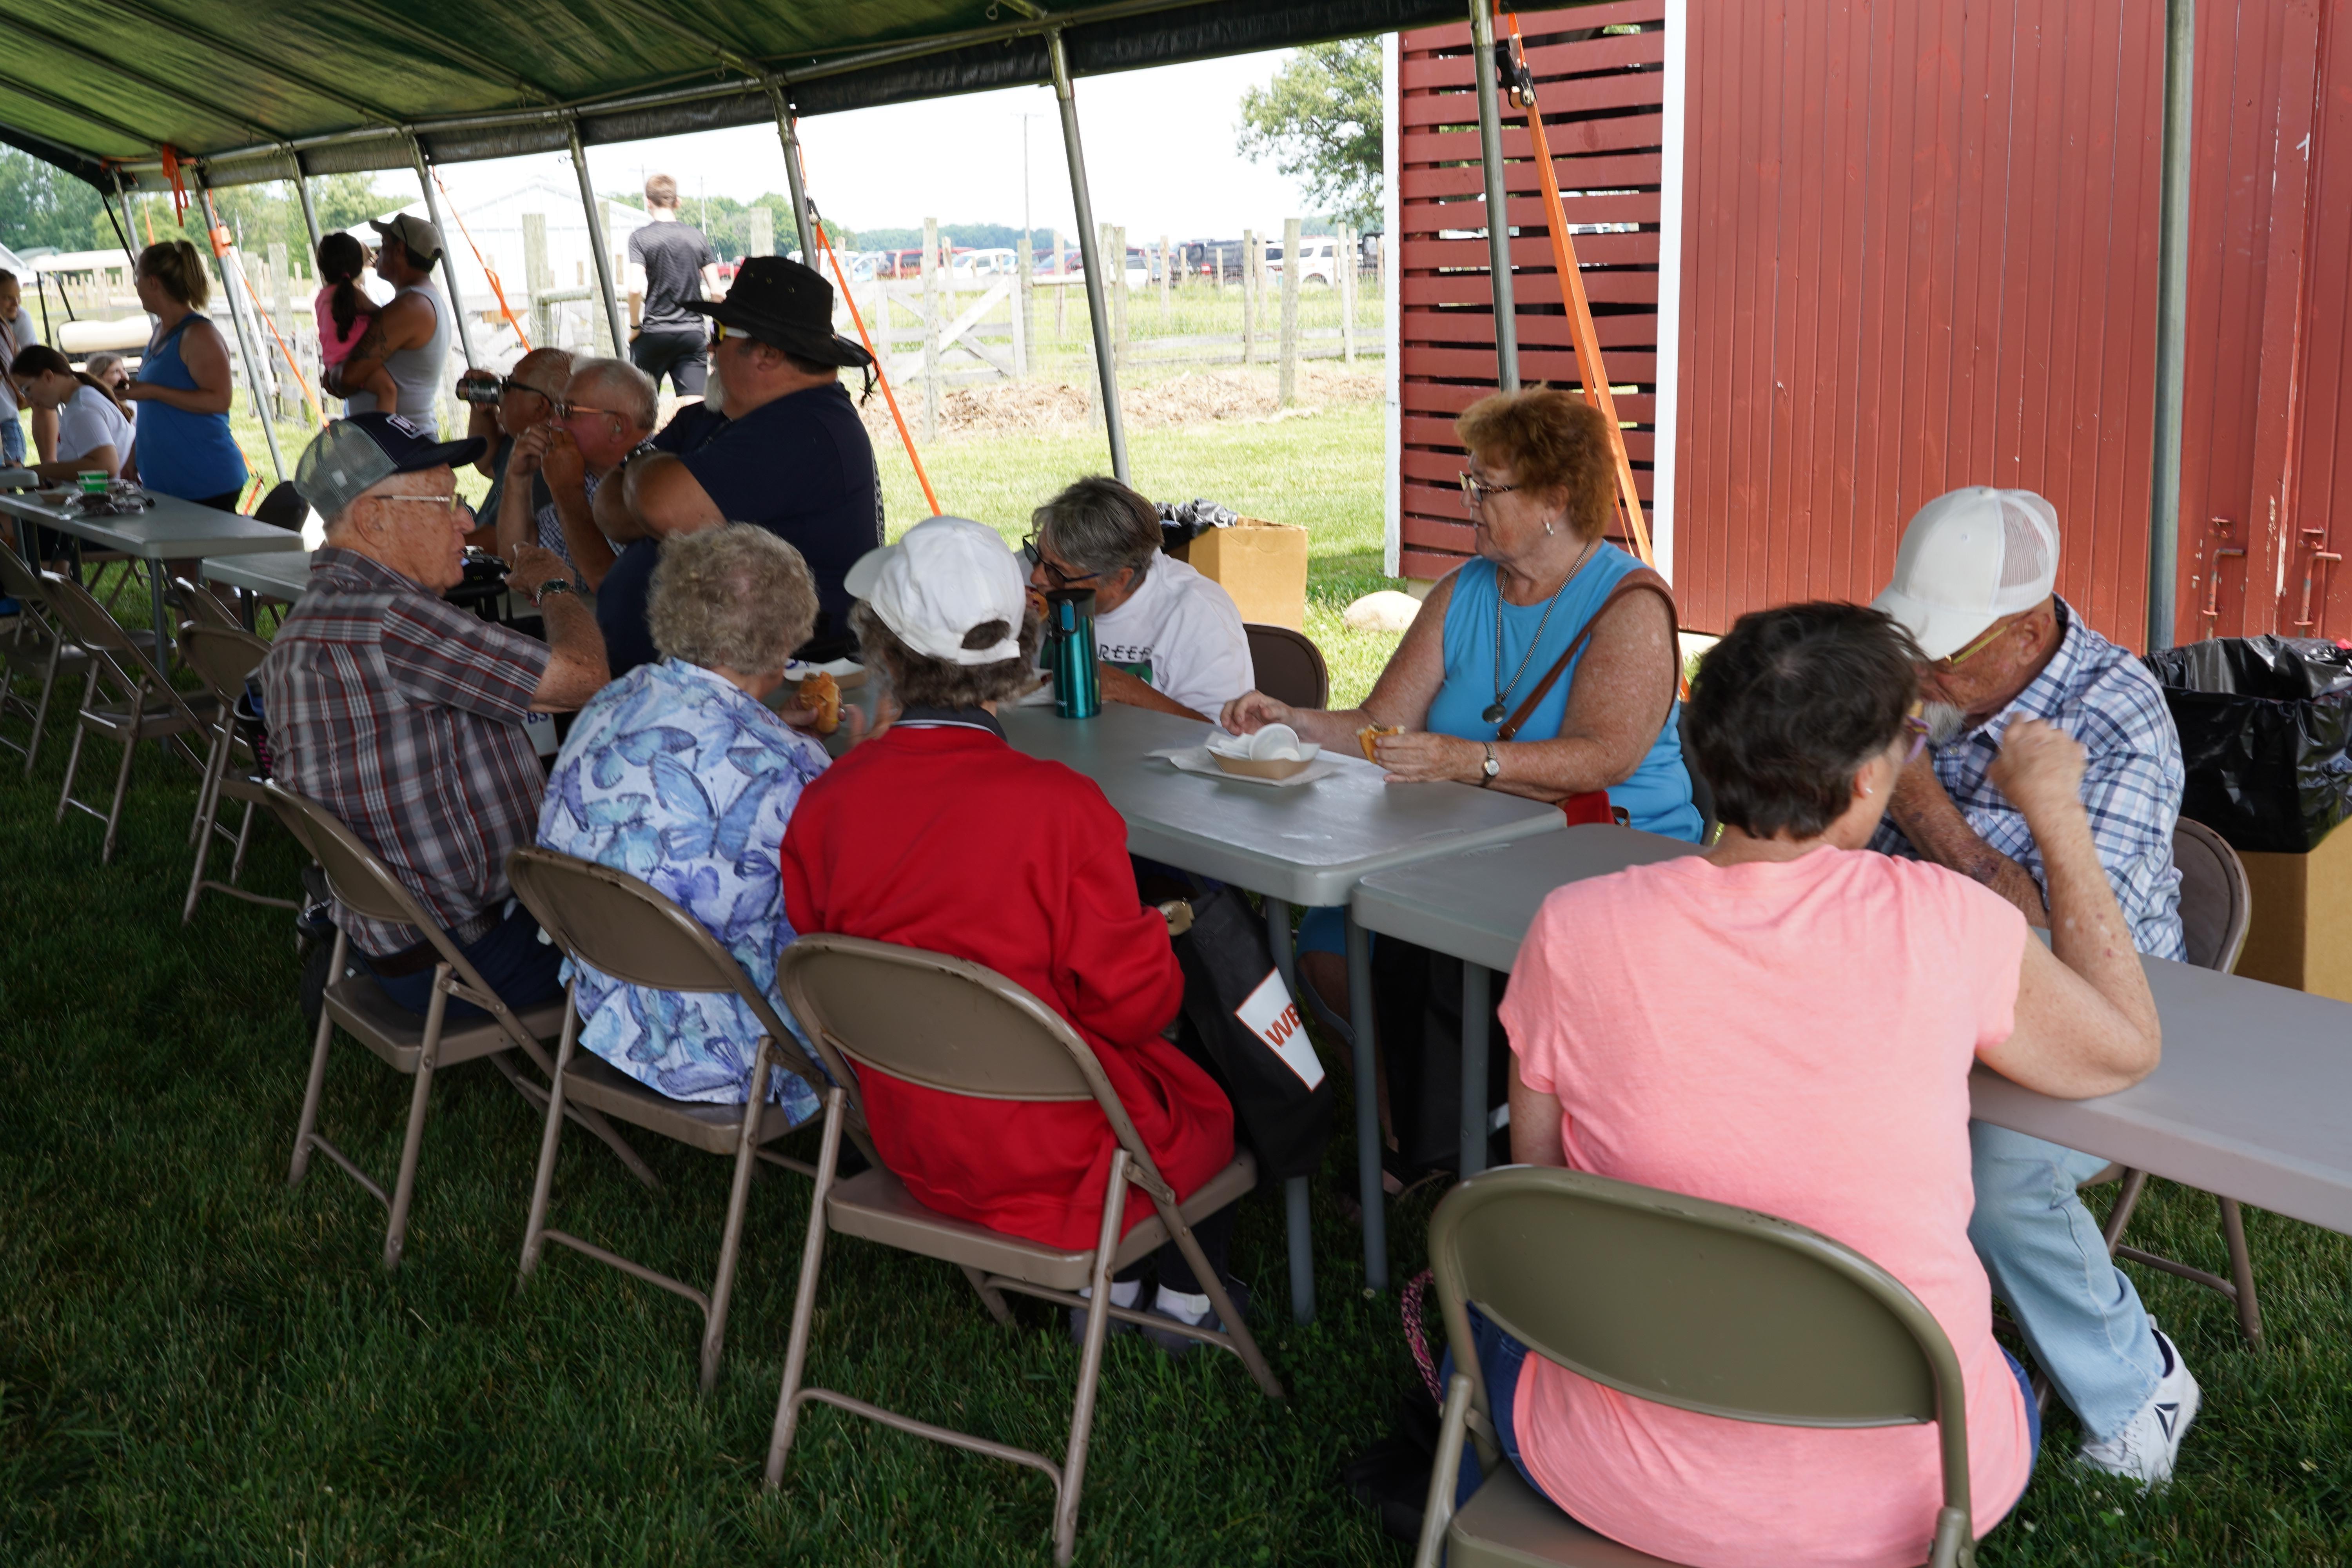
(615, 924)
(1287, 665)
(417, 1049)
(1678, 1301)
(31, 641)
(223, 657)
(963, 1029)
(2216, 906)
(145, 705)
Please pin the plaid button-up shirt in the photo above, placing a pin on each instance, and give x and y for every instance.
(2105, 699)
(403, 715)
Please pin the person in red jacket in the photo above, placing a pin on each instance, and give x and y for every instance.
(935, 834)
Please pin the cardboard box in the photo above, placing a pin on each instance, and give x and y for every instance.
(2300, 932)
(1262, 564)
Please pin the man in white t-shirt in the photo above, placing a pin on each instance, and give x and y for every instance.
(19, 330)
(1167, 637)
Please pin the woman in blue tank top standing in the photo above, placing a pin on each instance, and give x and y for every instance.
(183, 447)
(1540, 489)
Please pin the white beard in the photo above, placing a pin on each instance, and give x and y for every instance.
(1943, 721)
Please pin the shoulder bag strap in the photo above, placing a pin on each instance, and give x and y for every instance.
(1642, 583)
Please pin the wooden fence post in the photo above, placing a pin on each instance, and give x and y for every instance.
(290, 396)
(1167, 280)
(1061, 294)
(1024, 295)
(1249, 301)
(760, 233)
(538, 279)
(931, 328)
(1114, 252)
(1348, 254)
(1292, 264)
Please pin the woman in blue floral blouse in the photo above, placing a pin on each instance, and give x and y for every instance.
(678, 774)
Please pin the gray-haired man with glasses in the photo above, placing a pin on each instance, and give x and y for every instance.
(404, 714)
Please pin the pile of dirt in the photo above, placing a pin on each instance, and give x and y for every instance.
(1208, 396)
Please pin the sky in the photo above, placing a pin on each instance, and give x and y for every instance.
(1159, 145)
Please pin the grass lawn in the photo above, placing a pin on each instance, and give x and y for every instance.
(199, 1365)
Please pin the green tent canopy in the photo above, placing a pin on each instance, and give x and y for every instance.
(97, 87)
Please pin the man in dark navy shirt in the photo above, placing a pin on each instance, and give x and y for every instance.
(621, 597)
(792, 456)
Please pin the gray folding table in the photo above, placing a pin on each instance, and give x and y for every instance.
(2248, 1103)
(1307, 844)
(172, 530)
(281, 574)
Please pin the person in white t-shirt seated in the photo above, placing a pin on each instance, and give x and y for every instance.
(93, 433)
(1167, 637)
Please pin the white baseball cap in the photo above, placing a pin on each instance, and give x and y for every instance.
(945, 577)
(1968, 558)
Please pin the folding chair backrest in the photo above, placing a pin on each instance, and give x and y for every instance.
(200, 607)
(82, 618)
(222, 656)
(2216, 902)
(1697, 1304)
(617, 925)
(358, 878)
(1287, 665)
(937, 1021)
(18, 581)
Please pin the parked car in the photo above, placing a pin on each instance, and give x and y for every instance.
(1318, 259)
(986, 266)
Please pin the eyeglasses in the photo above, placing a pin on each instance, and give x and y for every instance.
(436, 500)
(508, 383)
(1475, 490)
(1991, 636)
(1917, 724)
(1054, 574)
(566, 410)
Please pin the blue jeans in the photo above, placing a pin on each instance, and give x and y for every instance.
(2080, 1315)
(12, 440)
(512, 960)
(1500, 1357)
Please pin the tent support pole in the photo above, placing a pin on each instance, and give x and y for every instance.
(448, 259)
(596, 242)
(1090, 250)
(123, 232)
(1499, 213)
(309, 211)
(790, 135)
(236, 318)
(2171, 322)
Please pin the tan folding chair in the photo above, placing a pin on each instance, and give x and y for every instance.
(144, 705)
(202, 609)
(2216, 906)
(963, 1029)
(31, 642)
(1287, 665)
(615, 924)
(223, 657)
(1679, 1301)
(414, 1048)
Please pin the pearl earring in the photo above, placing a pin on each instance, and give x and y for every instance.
(1548, 532)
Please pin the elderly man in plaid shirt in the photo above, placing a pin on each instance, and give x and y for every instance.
(1973, 582)
(404, 714)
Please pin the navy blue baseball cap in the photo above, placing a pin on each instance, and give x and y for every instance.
(352, 456)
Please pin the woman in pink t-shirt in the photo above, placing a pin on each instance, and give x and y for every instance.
(1787, 1024)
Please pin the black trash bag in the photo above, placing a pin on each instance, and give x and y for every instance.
(2264, 723)
(1240, 1025)
(1180, 522)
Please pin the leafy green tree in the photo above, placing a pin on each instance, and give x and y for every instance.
(1319, 123)
(40, 204)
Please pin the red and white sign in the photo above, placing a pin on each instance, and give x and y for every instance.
(1270, 1014)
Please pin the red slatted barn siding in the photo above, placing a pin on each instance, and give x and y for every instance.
(1921, 254)
(1600, 97)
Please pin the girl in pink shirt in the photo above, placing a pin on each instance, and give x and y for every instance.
(345, 313)
(1787, 1024)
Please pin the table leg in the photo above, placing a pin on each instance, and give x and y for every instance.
(1295, 1192)
(163, 640)
(1477, 978)
(1368, 1108)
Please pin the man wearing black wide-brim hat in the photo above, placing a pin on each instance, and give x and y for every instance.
(793, 456)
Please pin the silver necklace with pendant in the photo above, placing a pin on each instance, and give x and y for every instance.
(1494, 714)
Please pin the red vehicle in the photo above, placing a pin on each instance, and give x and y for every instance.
(909, 263)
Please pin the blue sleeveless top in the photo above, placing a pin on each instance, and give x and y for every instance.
(1658, 797)
(191, 456)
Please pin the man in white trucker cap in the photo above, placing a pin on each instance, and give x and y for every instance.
(1973, 584)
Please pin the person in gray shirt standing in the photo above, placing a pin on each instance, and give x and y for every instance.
(411, 336)
(673, 266)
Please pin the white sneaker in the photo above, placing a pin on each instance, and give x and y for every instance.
(2151, 1441)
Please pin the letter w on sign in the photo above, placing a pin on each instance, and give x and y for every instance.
(1240, 1025)
(1271, 1014)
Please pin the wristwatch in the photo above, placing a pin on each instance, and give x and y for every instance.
(1492, 768)
(553, 585)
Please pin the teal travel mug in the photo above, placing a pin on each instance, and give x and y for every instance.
(1070, 652)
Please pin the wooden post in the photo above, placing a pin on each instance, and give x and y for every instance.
(1249, 301)
(1114, 258)
(1291, 266)
(1347, 256)
(949, 303)
(1167, 280)
(1061, 319)
(290, 396)
(538, 279)
(1025, 296)
(931, 328)
(760, 233)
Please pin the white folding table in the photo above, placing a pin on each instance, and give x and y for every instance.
(1307, 844)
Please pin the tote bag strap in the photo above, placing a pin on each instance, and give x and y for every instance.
(1644, 581)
